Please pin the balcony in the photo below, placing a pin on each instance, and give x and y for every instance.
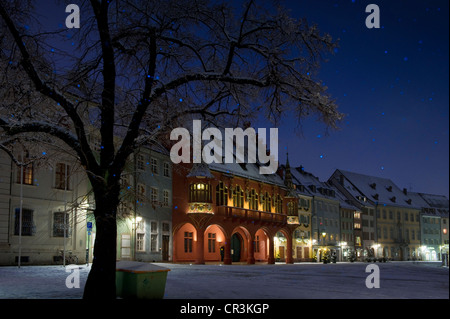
(251, 215)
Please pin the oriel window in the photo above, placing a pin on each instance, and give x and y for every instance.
(200, 192)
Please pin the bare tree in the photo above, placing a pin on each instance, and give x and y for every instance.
(136, 69)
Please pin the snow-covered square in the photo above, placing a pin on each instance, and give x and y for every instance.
(399, 280)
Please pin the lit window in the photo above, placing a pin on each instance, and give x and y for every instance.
(199, 192)
(62, 180)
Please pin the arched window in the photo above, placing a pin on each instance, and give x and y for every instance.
(221, 194)
(238, 197)
(200, 193)
(266, 202)
(291, 209)
(253, 200)
(278, 204)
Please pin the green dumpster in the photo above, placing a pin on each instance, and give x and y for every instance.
(140, 280)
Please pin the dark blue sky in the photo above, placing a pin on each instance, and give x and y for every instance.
(392, 83)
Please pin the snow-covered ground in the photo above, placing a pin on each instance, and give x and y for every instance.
(280, 281)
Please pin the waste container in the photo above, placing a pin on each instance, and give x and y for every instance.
(139, 280)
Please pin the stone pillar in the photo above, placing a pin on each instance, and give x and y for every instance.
(227, 252)
(251, 251)
(271, 258)
(289, 251)
(200, 247)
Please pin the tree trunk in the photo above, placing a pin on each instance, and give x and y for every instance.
(101, 282)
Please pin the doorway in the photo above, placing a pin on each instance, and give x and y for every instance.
(165, 247)
(236, 241)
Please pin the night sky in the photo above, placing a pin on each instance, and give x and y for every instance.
(392, 83)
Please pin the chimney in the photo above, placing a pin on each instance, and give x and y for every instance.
(405, 191)
(341, 179)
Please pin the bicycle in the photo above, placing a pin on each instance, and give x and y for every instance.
(69, 258)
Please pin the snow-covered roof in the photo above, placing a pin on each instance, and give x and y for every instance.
(343, 201)
(247, 170)
(312, 185)
(439, 202)
(378, 190)
(200, 170)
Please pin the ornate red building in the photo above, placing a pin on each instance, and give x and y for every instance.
(230, 213)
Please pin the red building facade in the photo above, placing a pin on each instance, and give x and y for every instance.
(230, 213)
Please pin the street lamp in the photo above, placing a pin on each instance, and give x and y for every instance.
(324, 234)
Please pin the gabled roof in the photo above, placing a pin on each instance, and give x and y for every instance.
(440, 203)
(378, 190)
(312, 184)
(246, 170)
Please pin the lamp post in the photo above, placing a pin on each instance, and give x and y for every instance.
(324, 234)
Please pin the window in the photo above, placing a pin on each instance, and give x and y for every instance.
(61, 222)
(238, 197)
(26, 171)
(278, 204)
(256, 244)
(165, 198)
(141, 191)
(165, 227)
(154, 195)
(291, 209)
(357, 215)
(140, 236)
(199, 192)
(153, 236)
(221, 194)
(384, 214)
(406, 217)
(266, 202)
(188, 238)
(357, 226)
(166, 169)
(62, 180)
(27, 222)
(154, 165)
(391, 215)
(141, 162)
(140, 241)
(211, 242)
(253, 200)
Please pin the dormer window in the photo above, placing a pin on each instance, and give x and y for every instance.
(373, 185)
(389, 188)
